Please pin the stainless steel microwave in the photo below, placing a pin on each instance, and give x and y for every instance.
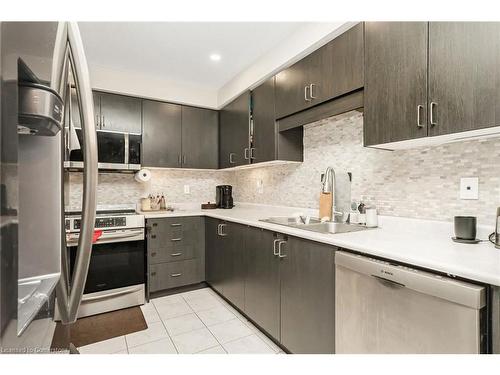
(115, 151)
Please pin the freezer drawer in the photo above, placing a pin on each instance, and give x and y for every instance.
(387, 308)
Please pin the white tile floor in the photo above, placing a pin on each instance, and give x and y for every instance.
(198, 321)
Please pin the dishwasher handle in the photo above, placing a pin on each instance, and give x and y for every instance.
(447, 288)
(389, 283)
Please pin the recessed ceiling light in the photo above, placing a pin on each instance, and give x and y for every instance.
(215, 57)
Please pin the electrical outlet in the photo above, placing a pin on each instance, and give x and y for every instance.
(469, 188)
(187, 189)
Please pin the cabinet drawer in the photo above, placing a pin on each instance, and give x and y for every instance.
(176, 252)
(175, 274)
(167, 232)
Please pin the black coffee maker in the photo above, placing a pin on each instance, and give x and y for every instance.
(224, 196)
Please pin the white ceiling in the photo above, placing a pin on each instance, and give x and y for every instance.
(179, 51)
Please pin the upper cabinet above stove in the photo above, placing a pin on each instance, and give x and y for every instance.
(112, 112)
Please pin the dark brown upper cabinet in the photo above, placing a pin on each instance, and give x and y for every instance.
(333, 70)
(200, 133)
(464, 76)
(234, 127)
(118, 112)
(178, 136)
(395, 91)
(264, 125)
(430, 79)
(267, 143)
(161, 137)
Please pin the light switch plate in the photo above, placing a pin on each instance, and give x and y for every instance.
(187, 189)
(469, 188)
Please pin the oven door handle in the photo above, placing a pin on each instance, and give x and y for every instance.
(107, 237)
(118, 236)
(112, 294)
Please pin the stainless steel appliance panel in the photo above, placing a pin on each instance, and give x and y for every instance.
(386, 308)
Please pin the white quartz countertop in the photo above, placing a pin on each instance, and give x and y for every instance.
(422, 243)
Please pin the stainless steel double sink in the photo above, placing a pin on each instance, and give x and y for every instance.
(314, 225)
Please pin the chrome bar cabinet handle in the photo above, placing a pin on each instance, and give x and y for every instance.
(279, 249)
(306, 97)
(311, 87)
(231, 158)
(431, 113)
(275, 253)
(419, 108)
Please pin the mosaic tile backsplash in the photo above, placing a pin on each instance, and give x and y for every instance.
(118, 188)
(419, 183)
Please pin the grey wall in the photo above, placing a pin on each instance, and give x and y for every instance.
(421, 183)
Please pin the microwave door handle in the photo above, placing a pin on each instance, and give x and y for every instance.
(81, 75)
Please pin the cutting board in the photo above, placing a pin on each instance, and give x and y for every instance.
(325, 205)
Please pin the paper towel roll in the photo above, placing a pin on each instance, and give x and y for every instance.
(144, 175)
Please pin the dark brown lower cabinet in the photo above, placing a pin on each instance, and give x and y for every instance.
(233, 245)
(307, 297)
(214, 255)
(290, 296)
(262, 282)
(175, 252)
(225, 264)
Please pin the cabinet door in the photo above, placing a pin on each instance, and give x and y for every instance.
(395, 91)
(214, 255)
(161, 139)
(464, 76)
(120, 113)
(340, 66)
(75, 109)
(200, 138)
(234, 132)
(262, 282)
(290, 88)
(307, 296)
(233, 239)
(264, 125)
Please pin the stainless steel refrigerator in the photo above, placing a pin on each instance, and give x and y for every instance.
(40, 62)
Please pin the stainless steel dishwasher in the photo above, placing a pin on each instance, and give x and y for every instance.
(381, 307)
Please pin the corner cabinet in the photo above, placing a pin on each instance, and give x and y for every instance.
(225, 264)
(430, 79)
(333, 70)
(234, 142)
(200, 132)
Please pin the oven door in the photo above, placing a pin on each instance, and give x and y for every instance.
(117, 260)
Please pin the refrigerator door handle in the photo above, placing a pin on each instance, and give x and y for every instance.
(69, 299)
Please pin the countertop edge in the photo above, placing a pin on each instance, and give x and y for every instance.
(336, 240)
